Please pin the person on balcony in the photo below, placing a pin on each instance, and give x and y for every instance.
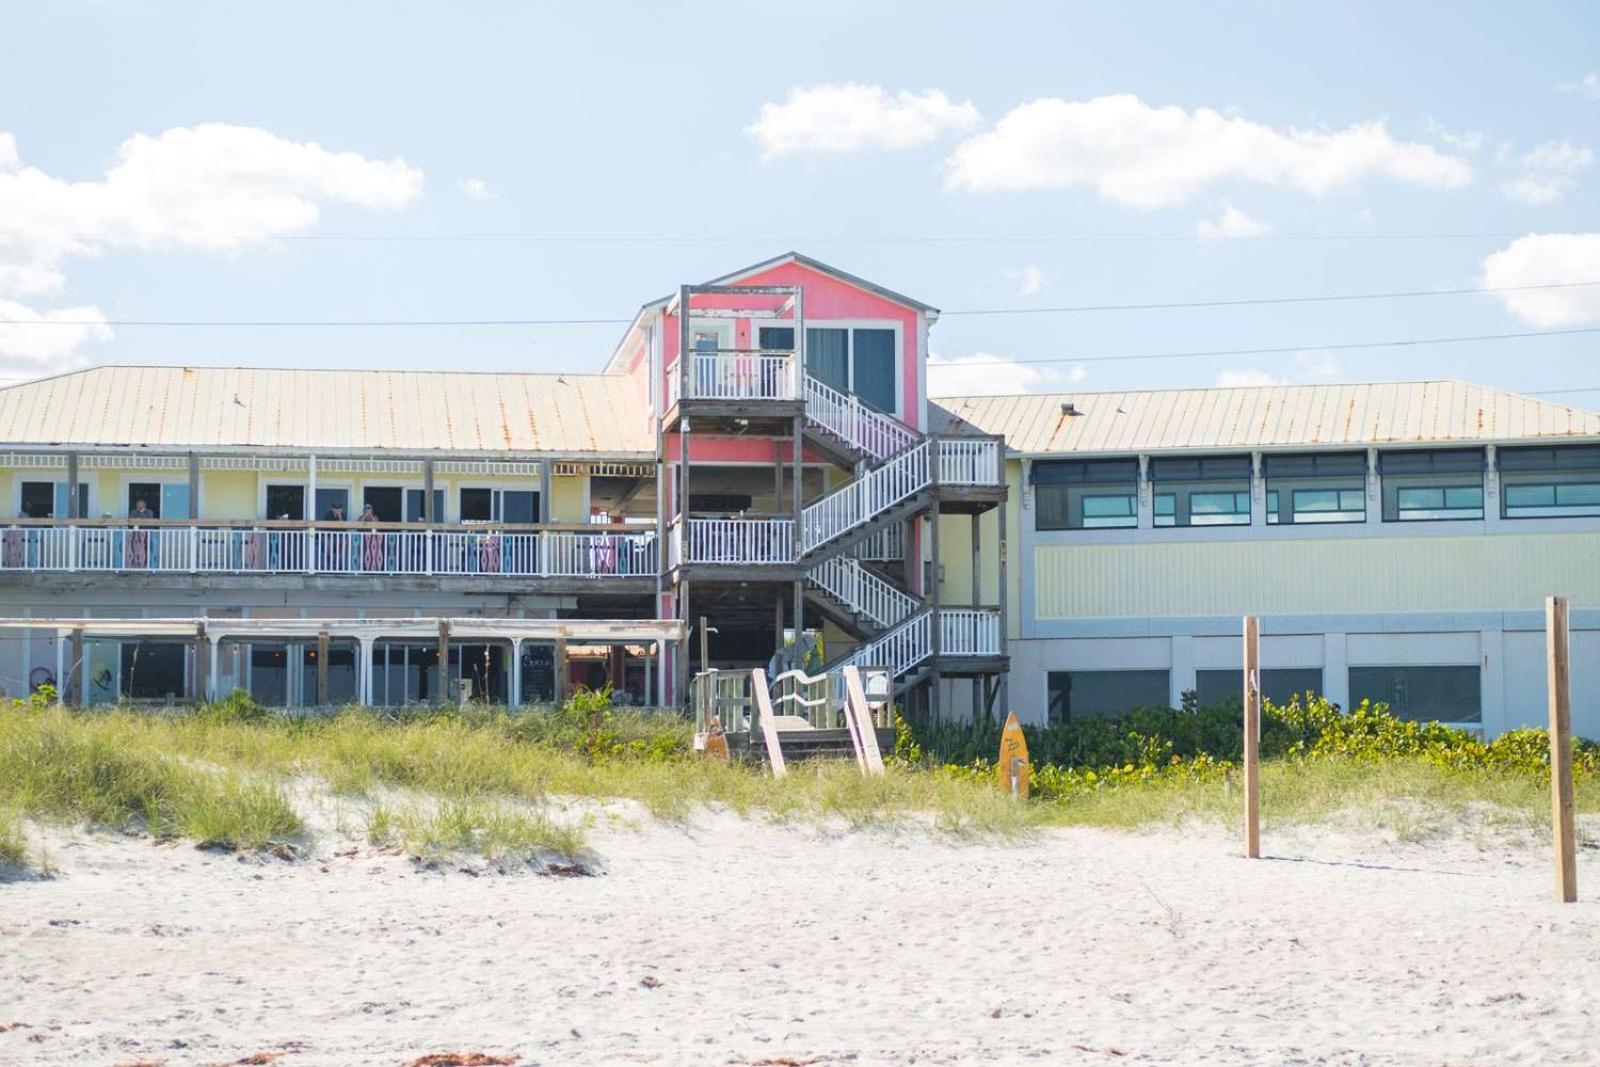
(371, 542)
(138, 553)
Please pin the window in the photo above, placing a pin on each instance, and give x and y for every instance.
(327, 497)
(1278, 684)
(1086, 494)
(860, 360)
(414, 505)
(48, 500)
(1316, 487)
(152, 670)
(499, 505)
(1547, 483)
(1421, 694)
(1432, 485)
(384, 501)
(1075, 694)
(149, 493)
(286, 502)
(1209, 491)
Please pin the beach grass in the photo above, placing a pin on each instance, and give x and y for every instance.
(14, 854)
(499, 785)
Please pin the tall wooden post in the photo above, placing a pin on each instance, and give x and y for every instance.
(71, 685)
(1252, 737)
(561, 667)
(322, 669)
(1561, 750)
(443, 696)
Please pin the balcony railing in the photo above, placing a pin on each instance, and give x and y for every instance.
(970, 461)
(732, 541)
(326, 548)
(734, 374)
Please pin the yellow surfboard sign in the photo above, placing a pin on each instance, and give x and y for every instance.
(1013, 769)
(716, 742)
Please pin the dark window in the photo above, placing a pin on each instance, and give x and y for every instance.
(1080, 693)
(1432, 485)
(414, 505)
(719, 503)
(269, 674)
(1421, 694)
(1086, 494)
(828, 356)
(149, 492)
(873, 367)
(519, 506)
(538, 673)
(286, 502)
(341, 674)
(385, 501)
(39, 500)
(477, 505)
(327, 498)
(152, 670)
(1278, 684)
(1316, 487)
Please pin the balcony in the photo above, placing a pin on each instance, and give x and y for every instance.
(736, 383)
(327, 549)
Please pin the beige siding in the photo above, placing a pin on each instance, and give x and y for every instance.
(568, 500)
(1490, 573)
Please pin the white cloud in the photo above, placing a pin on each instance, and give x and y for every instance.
(1467, 141)
(1318, 365)
(33, 350)
(1030, 280)
(985, 374)
(1231, 223)
(209, 187)
(1237, 379)
(477, 189)
(834, 119)
(1549, 172)
(1147, 157)
(1548, 259)
(1587, 86)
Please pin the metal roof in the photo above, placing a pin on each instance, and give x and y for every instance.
(330, 410)
(1265, 417)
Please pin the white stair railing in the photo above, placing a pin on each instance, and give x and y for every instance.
(862, 591)
(901, 649)
(863, 500)
(969, 461)
(847, 418)
(969, 632)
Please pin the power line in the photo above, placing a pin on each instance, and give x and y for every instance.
(1285, 350)
(791, 240)
(1324, 298)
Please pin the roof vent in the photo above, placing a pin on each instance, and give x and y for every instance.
(1069, 408)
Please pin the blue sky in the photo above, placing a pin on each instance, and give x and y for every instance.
(1086, 154)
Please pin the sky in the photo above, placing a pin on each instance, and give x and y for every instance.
(348, 162)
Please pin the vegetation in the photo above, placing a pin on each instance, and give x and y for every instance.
(481, 780)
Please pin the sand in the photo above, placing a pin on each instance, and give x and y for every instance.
(740, 942)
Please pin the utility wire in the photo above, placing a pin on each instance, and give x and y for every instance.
(1324, 298)
(790, 240)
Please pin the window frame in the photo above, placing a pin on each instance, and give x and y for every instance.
(1051, 720)
(850, 326)
(1356, 695)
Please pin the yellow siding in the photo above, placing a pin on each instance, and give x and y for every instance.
(567, 500)
(1473, 573)
(228, 495)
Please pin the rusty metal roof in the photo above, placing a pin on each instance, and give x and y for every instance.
(1265, 417)
(237, 408)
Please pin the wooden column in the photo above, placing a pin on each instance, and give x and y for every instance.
(1003, 682)
(1252, 737)
(561, 667)
(935, 631)
(427, 492)
(72, 684)
(444, 662)
(74, 505)
(322, 669)
(194, 485)
(1561, 800)
(977, 602)
(544, 490)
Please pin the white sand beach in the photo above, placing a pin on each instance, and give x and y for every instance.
(740, 942)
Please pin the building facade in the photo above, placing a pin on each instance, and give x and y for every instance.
(757, 476)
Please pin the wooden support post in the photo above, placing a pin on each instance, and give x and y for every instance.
(680, 693)
(322, 669)
(705, 645)
(1004, 681)
(199, 674)
(1561, 800)
(443, 695)
(799, 501)
(1252, 737)
(71, 686)
(561, 667)
(194, 486)
(427, 493)
(74, 505)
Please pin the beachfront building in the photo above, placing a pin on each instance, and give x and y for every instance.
(1397, 539)
(757, 476)
(750, 473)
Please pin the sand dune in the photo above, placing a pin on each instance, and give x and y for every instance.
(741, 942)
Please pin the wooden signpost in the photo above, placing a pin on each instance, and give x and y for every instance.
(1252, 737)
(1013, 769)
(1561, 750)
